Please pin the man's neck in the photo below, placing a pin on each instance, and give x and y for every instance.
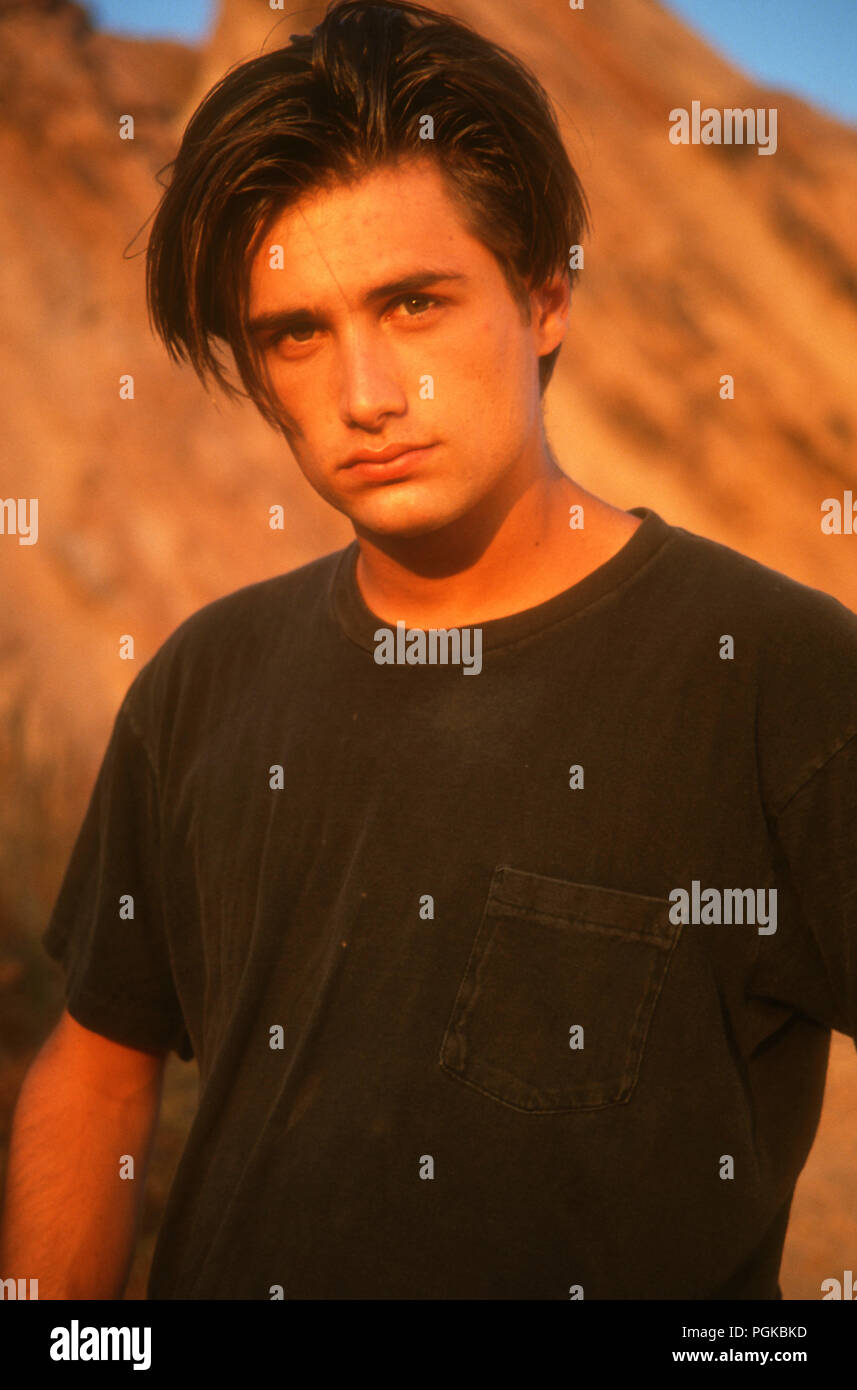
(535, 554)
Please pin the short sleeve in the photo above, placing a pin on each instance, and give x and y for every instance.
(107, 927)
(817, 834)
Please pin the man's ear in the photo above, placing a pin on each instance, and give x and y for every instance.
(550, 307)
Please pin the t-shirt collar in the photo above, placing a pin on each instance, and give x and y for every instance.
(360, 623)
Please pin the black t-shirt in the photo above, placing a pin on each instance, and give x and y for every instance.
(454, 1038)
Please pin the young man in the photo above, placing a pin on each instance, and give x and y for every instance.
(500, 870)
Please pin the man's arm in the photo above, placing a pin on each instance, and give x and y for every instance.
(69, 1220)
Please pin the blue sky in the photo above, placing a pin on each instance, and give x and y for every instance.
(806, 46)
(175, 19)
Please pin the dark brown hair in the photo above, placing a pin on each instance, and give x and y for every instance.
(330, 107)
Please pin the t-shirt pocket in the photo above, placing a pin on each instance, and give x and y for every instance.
(558, 995)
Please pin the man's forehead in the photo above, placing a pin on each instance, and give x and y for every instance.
(403, 204)
(380, 228)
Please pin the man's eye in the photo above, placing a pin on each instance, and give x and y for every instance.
(293, 334)
(416, 299)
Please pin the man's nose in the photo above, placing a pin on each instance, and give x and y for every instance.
(370, 377)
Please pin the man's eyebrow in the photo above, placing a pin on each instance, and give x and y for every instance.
(404, 284)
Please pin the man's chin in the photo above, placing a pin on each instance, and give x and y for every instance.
(392, 523)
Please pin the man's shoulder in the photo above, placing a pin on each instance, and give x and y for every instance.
(234, 633)
(793, 646)
(774, 605)
(280, 598)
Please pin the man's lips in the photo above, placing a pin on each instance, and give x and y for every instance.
(385, 455)
(388, 465)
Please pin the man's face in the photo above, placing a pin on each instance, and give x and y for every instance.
(445, 362)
